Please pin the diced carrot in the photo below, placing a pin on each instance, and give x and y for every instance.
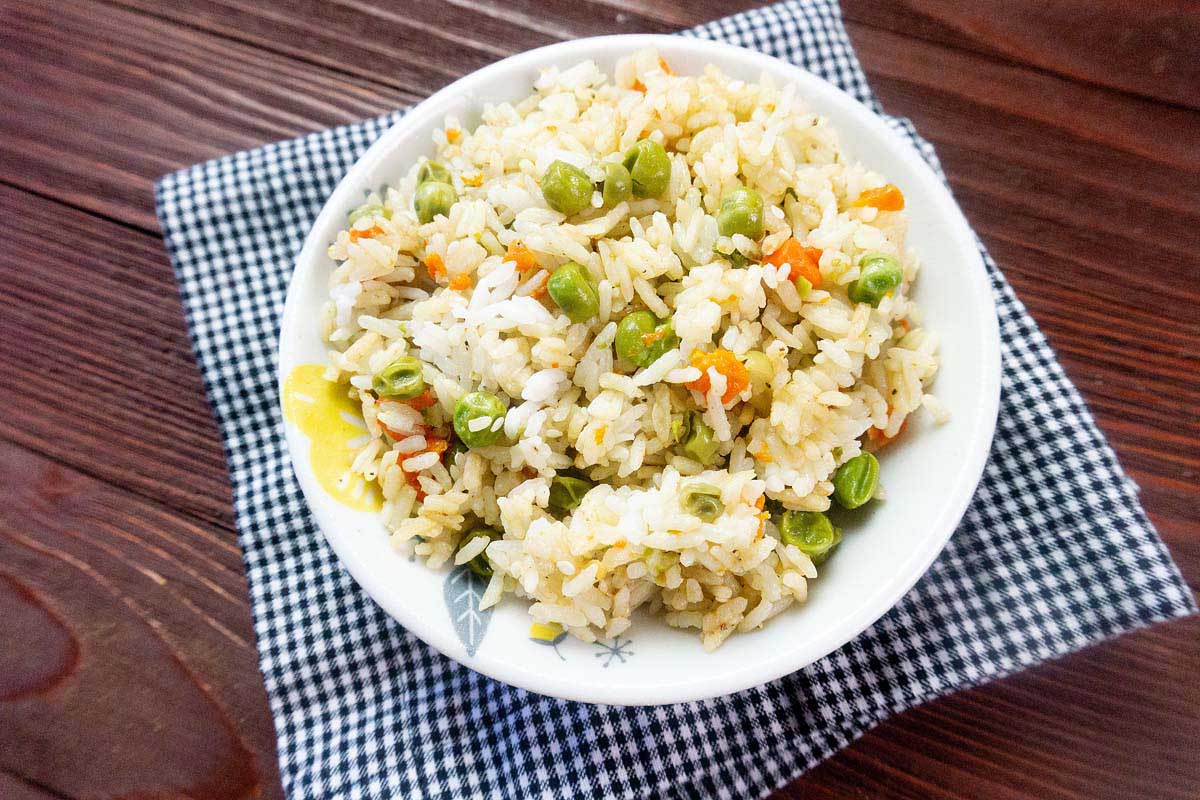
(879, 439)
(411, 479)
(365, 233)
(522, 256)
(737, 377)
(433, 444)
(638, 86)
(664, 66)
(435, 265)
(422, 401)
(542, 288)
(453, 135)
(761, 502)
(764, 454)
(885, 198)
(460, 281)
(804, 261)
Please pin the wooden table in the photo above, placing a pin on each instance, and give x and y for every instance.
(1071, 134)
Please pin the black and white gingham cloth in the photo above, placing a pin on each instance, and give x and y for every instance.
(1054, 553)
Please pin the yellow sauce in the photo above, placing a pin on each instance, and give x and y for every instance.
(545, 632)
(332, 421)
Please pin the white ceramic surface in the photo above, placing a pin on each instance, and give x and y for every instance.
(930, 474)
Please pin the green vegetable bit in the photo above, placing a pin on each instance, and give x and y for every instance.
(618, 183)
(761, 373)
(879, 275)
(367, 210)
(695, 438)
(704, 501)
(567, 188)
(433, 198)
(478, 405)
(432, 171)
(741, 212)
(811, 532)
(567, 491)
(642, 338)
(571, 287)
(650, 168)
(480, 564)
(400, 380)
(854, 482)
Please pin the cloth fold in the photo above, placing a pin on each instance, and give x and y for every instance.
(1054, 553)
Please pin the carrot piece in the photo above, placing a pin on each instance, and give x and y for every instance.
(435, 265)
(522, 256)
(422, 401)
(433, 444)
(879, 439)
(664, 66)
(737, 377)
(365, 233)
(885, 198)
(460, 281)
(804, 261)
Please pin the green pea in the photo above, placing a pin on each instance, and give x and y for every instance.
(811, 532)
(571, 287)
(650, 168)
(618, 183)
(696, 439)
(480, 564)
(432, 171)
(567, 491)
(478, 405)
(680, 428)
(854, 482)
(367, 210)
(738, 259)
(567, 188)
(761, 373)
(704, 501)
(741, 212)
(400, 380)
(878, 275)
(642, 338)
(433, 198)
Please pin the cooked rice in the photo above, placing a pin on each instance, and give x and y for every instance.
(841, 368)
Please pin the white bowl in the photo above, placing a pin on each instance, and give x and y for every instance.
(930, 474)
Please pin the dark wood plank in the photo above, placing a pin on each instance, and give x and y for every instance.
(1081, 183)
(105, 101)
(129, 660)
(1147, 48)
(1007, 740)
(103, 379)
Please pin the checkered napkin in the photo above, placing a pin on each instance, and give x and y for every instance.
(1054, 553)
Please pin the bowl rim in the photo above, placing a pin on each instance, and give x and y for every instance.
(866, 612)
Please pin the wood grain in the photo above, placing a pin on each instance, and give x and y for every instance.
(1069, 132)
(1147, 48)
(141, 647)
